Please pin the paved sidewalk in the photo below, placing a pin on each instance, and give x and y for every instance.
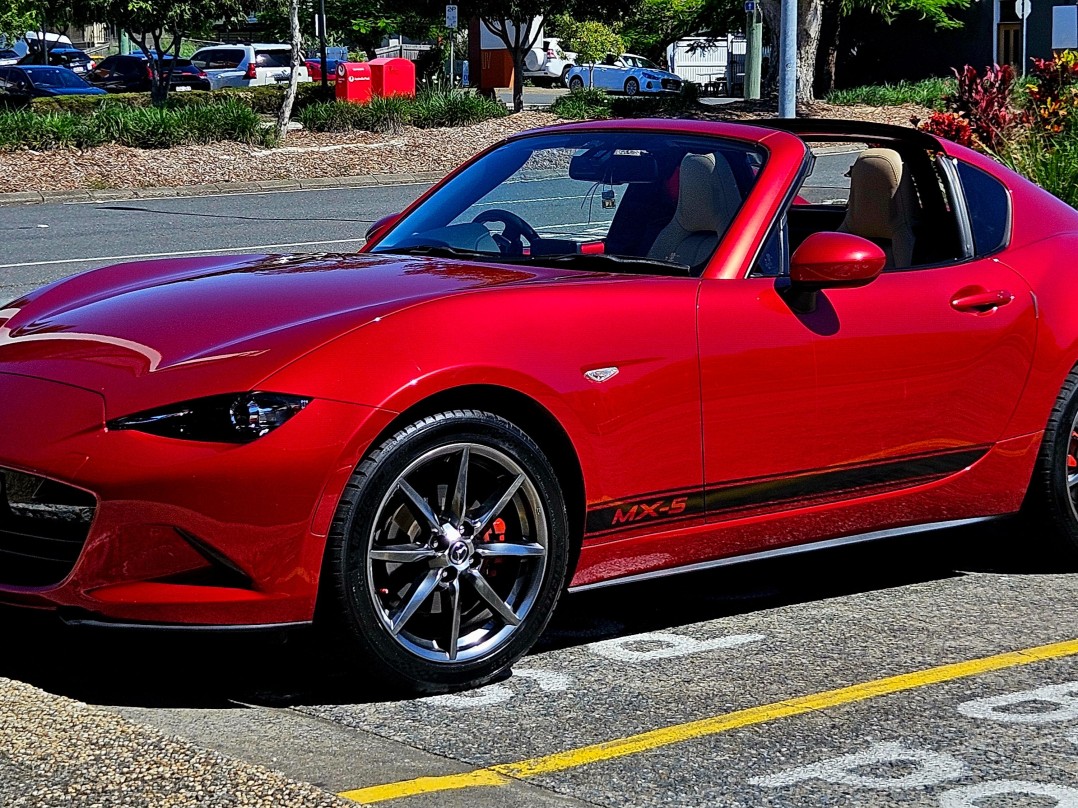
(314, 183)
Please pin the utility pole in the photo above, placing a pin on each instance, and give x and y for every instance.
(754, 46)
(788, 60)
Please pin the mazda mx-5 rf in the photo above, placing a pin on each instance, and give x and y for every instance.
(596, 353)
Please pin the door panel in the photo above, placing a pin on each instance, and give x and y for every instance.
(758, 388)
(914, 366)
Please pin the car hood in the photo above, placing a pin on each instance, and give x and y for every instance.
(150, 333)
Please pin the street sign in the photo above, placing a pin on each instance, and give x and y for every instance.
(1022, 8)
(451, 17)
(750, 6)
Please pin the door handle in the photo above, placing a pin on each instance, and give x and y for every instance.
(982, 302)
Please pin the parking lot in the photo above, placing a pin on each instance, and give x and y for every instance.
(934, 670)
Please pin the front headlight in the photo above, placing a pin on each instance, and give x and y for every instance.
(653, 76)
(232, 418)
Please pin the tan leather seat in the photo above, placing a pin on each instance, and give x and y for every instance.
(882, 205)
(708, 198)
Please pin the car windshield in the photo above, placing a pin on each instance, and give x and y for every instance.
(588, 200)
(55, 77)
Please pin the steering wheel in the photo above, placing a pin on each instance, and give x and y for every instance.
(509, 240)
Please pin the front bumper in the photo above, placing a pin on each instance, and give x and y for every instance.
(184, 532)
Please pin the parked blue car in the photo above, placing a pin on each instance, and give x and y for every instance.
(628, 73)
(36, 81)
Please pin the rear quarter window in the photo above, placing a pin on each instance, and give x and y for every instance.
(989, 206)
(273, 58)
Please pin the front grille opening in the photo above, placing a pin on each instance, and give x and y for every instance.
(43, 528)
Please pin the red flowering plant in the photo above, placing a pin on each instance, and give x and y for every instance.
(979, 114)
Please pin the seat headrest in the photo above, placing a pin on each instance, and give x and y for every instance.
(708, 195)
(881, 195)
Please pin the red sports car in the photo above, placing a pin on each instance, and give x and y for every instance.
(595, 353)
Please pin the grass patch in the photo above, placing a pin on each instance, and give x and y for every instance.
(582, 105)
(142, 127)
(927, 93)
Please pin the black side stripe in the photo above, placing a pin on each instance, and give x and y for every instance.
(673, 506)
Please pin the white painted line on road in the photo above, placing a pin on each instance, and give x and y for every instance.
(239, 249)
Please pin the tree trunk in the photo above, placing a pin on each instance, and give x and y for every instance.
(518, 79)
(285, 115)
(832, 50)
(809, 21)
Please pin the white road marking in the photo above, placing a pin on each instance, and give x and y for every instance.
(549, 681)
(968, 796)
(665, 645)
(1063, 697)
(239, 249)
(931, 768)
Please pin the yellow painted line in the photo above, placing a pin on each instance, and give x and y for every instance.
(504, 773)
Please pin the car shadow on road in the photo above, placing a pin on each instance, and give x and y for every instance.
(228, 670)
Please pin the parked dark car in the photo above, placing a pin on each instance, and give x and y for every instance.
(131, 74)
(71, 58)
(36, 81)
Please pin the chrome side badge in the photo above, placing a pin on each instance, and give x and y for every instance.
(600, 375)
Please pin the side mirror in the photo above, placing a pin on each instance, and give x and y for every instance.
(379, 228)
(831, 261)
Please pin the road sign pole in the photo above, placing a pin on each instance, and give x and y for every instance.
(788, 60)
(451, 24)
(322, 45)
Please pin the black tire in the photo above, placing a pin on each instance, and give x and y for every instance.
(1051, 502)
(632, 87)
(576, 84)
(384, 552)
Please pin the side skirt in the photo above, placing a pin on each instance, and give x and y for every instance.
(796, 549)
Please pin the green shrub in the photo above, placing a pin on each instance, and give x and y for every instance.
(430, 108)
(143, 127)
(928, 93)
(1049, 161)
(440, 107)
(582, 105)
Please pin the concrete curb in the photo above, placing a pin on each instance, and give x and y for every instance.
(312, 183)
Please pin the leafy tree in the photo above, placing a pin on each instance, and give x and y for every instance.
(592, 41)
(16, 18)
(161, 22)
(650, 25)
(810, 14)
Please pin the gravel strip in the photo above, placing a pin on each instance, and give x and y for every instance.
(310, 155)
(58, 752)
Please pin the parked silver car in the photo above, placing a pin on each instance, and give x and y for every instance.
(249, 65)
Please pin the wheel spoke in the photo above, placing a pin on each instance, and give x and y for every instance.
(419, 592)
(1072, 480)
(508, 549)
(401, 553)
(420, 504)
(454, 625)
(484, 590)
(460, 492)
(488, 514)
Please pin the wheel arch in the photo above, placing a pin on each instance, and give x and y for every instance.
(529, 415)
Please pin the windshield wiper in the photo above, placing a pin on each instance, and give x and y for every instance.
(607, 263)
(439, 251)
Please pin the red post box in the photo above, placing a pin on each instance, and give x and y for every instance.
(393, 77)
(354, 82)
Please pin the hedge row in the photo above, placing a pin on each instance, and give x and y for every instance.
(143, 127)
(429, 109)
(594, 103)
(263, 100)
